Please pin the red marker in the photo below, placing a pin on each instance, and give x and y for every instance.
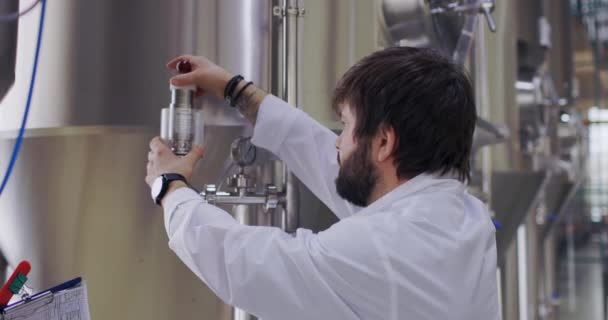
(14, 283)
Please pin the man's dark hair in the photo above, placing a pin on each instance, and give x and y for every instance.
(424, 97)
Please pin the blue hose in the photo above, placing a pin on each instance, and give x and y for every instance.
(15, 153)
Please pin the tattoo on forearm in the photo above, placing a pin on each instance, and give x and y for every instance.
(249, 102)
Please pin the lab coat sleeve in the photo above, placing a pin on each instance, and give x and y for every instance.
(306, 146)
(268, 272)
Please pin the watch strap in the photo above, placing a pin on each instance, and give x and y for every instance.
(167, 179)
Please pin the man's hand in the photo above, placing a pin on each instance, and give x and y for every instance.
(205, 75)
(211, 79)
(162, 160)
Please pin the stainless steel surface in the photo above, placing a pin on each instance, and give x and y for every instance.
(65, 211)
(562, 53)
(539, 102)
(85, 38)
(223, 31)
(334, 35)
(529, 93)
(465, 40)
(181, 120)
(409, 21)
(8, 49)
(198, 131)
(289, 16)
(181, 97)
(512, 207)
(471, 9)
(448, 26)
(244, 214)
(291, 221)
(494, 66)
(78, 206)
(522, 271)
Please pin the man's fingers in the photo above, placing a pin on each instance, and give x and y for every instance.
(150, 180)
(185, 79)
(195, 154)
(157, 145)
(173, 62)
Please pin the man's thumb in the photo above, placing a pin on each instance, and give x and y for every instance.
(195, 154)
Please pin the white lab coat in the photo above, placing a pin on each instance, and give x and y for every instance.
(425, 250)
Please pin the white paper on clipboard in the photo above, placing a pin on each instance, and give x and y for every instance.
(68, 304)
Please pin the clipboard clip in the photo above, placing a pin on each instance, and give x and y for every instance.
(26, 308)
(31, 303)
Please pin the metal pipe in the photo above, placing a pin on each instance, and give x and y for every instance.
(291, 50)
(465, 41)
(244, 215)
(292, 203)
(483, 103)
(522, 271)
(291, 12)
(244, 200)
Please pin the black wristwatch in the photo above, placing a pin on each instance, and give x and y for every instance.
(161, 185)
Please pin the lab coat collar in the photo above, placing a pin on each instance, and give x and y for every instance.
(412, 186)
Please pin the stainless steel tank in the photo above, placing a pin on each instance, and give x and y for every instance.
(76, 204)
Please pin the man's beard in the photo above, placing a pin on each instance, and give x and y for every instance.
(357, 176)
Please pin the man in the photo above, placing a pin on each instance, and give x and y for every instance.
(415, 245)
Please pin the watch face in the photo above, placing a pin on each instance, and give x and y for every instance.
(157, 186)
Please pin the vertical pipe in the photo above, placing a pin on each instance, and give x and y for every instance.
(292, 194)
(522, 271)
(500, 289)
(291, 51)
(465, 41)
(533, 260)
(290, 95)
(243, 215)
(483, 103)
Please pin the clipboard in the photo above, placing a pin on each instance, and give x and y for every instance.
(67, 300)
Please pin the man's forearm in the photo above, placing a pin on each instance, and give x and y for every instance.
(249, 101)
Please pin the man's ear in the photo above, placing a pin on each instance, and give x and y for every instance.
(386, 143)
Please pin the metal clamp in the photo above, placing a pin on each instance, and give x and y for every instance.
(210, 193)
(272, 198)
